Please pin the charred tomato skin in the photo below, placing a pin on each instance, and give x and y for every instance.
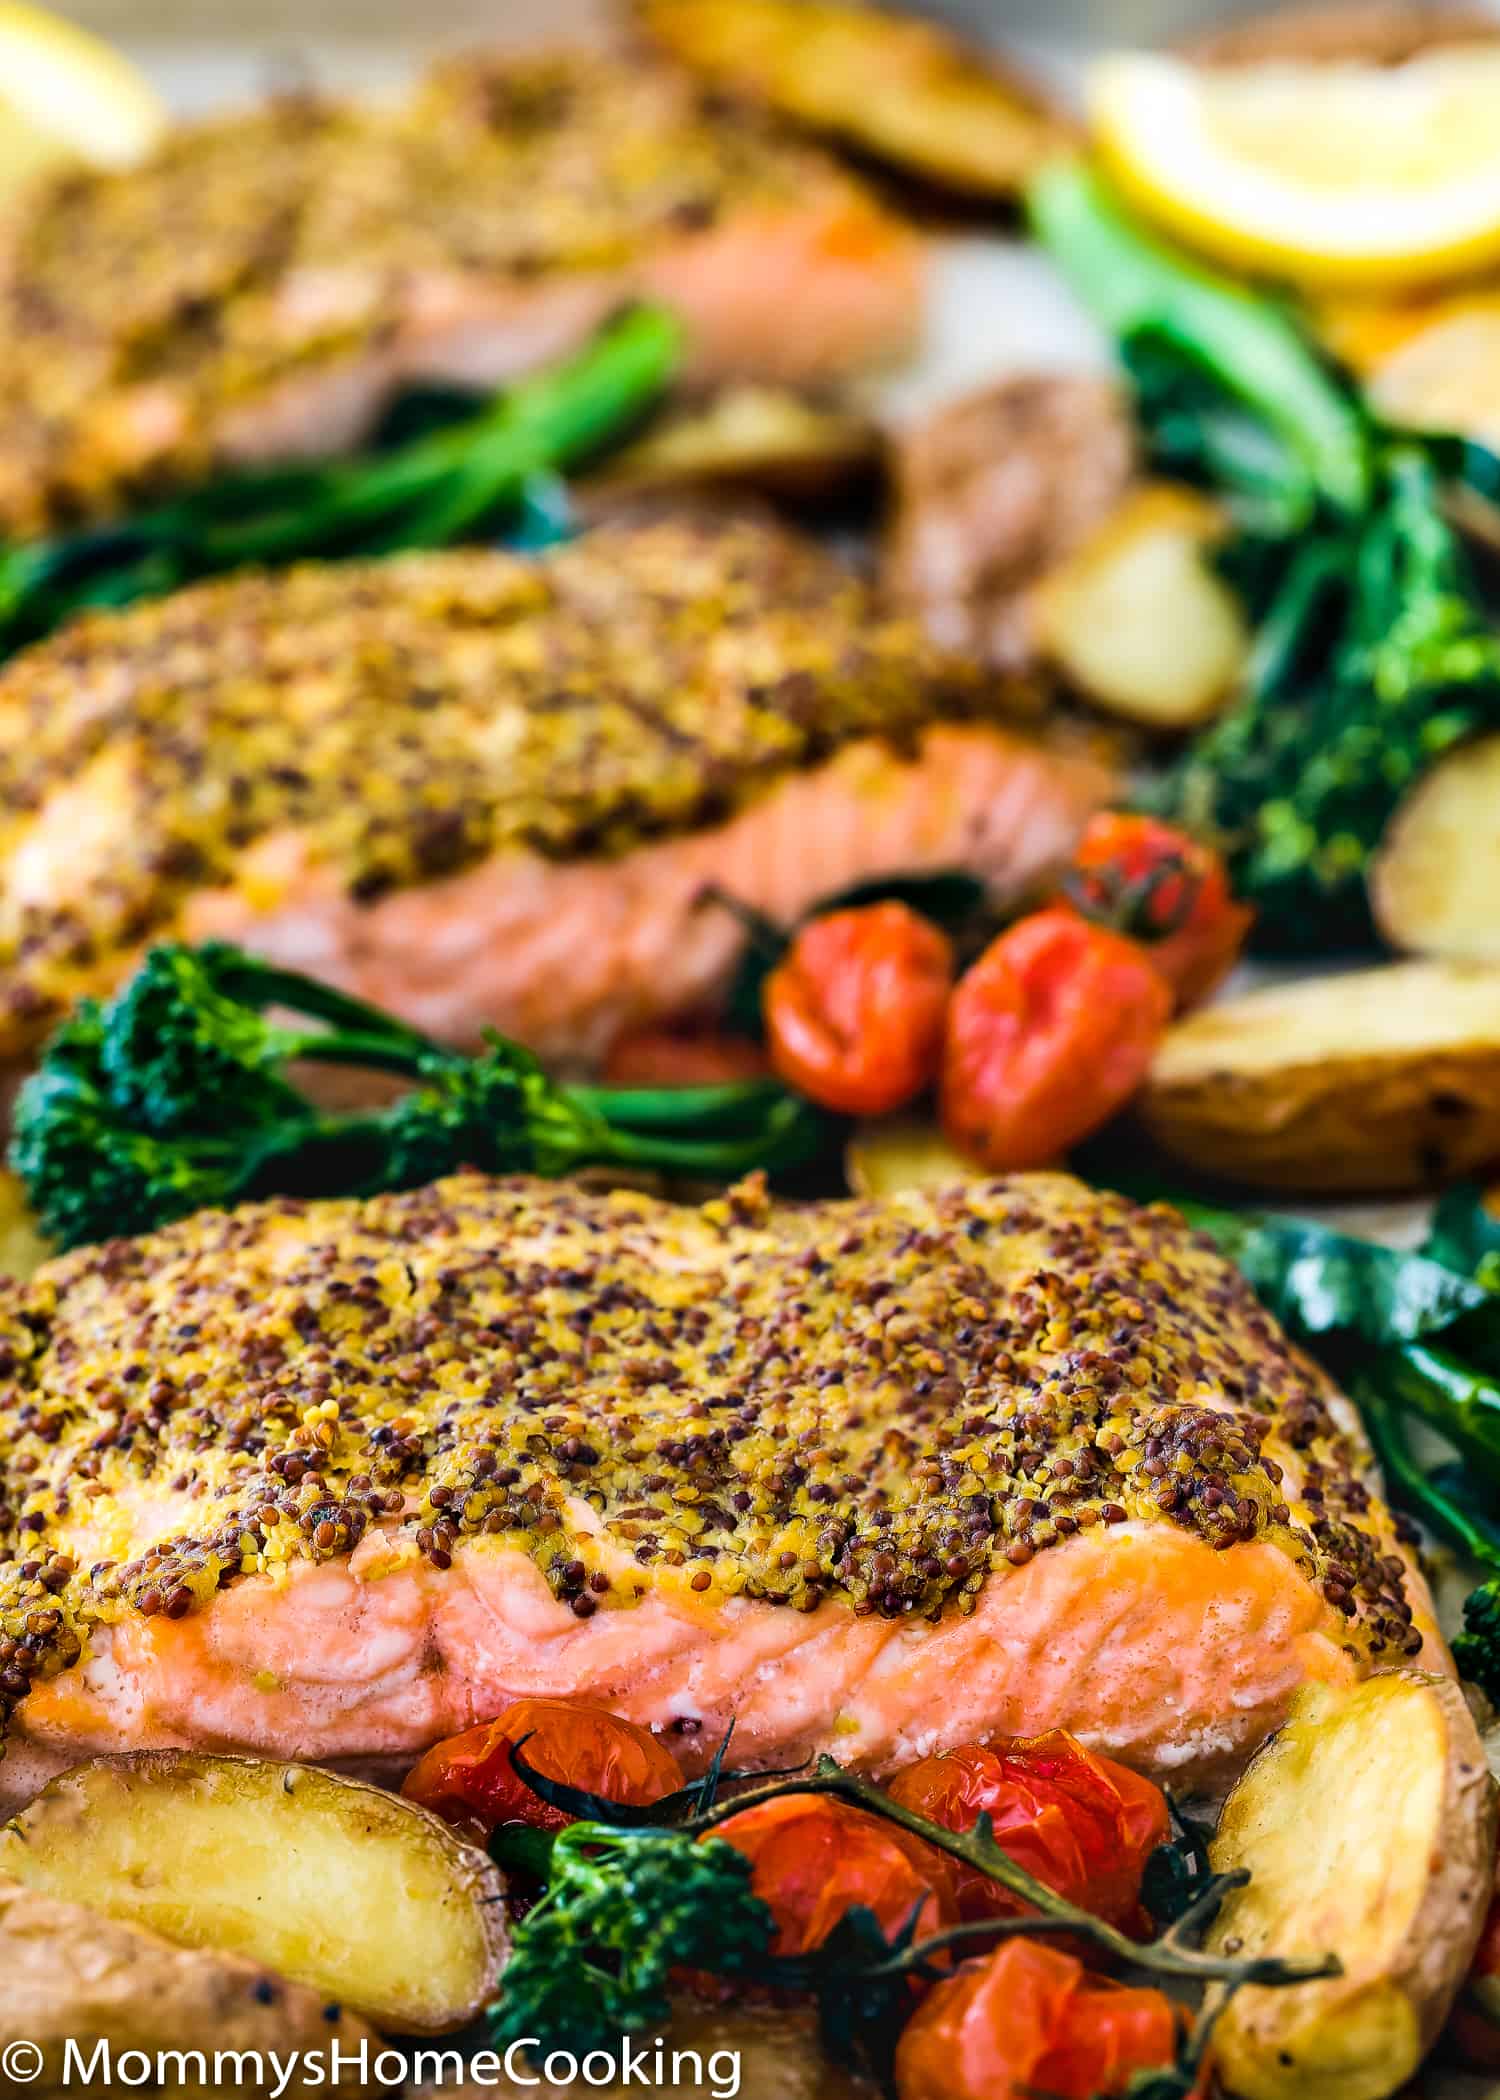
(1031, 2019)
(854, 1011)
(1048, 1036)
(471, 1780)
(1079, 1822)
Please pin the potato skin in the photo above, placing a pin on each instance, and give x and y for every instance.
(1136, 618)
(188, 1844)
(71, 1974)
(1435, 881)
(1368, 1828)
(1380, 1081)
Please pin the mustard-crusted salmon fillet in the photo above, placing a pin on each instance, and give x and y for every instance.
(337, 1479)
(263, 286)
(483, 790)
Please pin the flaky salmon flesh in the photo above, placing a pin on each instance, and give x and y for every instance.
(262, 288)
(486, 791)
(334, 1480)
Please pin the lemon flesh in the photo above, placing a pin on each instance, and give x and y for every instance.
(1329, 175)
(65, 95)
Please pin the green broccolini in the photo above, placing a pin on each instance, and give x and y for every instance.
(1373, 653)
(441, 486)
(175, 1096)
(623, 1909)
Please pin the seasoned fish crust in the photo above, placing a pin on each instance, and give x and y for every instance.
(264, 285)
(336, 1476)
(316, 741)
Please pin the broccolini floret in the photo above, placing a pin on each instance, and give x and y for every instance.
(178, 1095)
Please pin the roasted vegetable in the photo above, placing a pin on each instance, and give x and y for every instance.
(337, 1885)
(990, 493)
(1165, 889)
(1049, 1035)
(76, 1977)
(448, 484)
(1380, 1079)
(904, 1152)
(761, 438)
(1435, 882)
(623, 1909)
(173, 1098)
(1030, 2019)
(1366, 1825)
(1373, 653)
(854, 1011)
(1137, 618)
(22, 1248)
(901, 90)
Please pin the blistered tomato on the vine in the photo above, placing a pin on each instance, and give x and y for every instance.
(1165, 889)
(1029, 2019)
(1079, 1822)
(854, 1011)
(1049, 1034)
(815, 1857)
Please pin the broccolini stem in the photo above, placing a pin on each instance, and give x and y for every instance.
(1462, 1403)
(1138, 287)
(1412, 1485)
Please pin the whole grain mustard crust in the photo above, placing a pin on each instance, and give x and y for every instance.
(145, 315)
(882, 1402)
(404, 719)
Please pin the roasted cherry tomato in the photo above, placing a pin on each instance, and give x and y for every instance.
(1049, 1033)
(854, 1011)
(1165, 890)
(694, 1051)
(470, 1780)
(1029, 2019)
(1081, 1823)
(1475, 2022)
(814, 1857)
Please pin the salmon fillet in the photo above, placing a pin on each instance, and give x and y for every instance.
(493, 792)
(333, 1480)
(263, 286)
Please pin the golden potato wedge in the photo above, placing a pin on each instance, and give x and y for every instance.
(779, 2058)
(72, 1975)
(1435, 883)
(763, 438)
(1137, 619)
(902, 90)
(903, 1152)
(1369, 1082)
(22, 1248)
(352, 1891)
(1367, 1826)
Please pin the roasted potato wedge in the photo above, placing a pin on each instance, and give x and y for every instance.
(903, 1152)
(777, 2050)
(756, 438)
(1435, 883)
(992, 492)
(901, 90)
(1367, 1826)
(357, 1894)
(71, 1974)
(1370, 1082)
(1136, 618)
(22, 1248)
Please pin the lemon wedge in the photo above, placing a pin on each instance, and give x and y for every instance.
(65, 95)
(1328, 175)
